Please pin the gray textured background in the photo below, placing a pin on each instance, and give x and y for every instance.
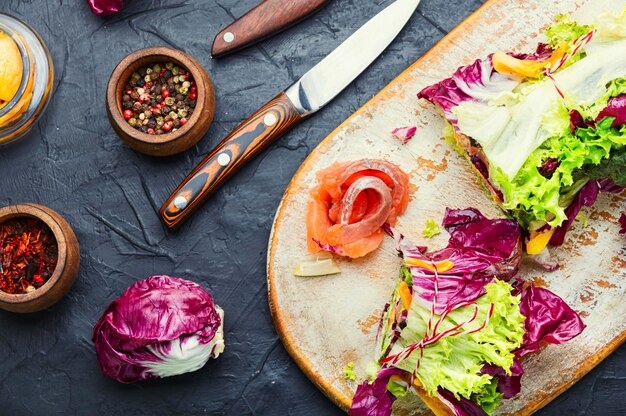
(74, 163)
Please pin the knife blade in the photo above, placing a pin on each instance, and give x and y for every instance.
(309, 94)
(268, 18)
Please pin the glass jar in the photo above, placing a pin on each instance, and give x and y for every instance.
(21, 113)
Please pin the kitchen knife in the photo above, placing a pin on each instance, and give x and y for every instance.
(310, 93)
(265, 20)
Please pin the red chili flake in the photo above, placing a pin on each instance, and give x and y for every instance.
(28, 255)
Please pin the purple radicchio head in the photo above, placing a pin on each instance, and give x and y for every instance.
(162, 326)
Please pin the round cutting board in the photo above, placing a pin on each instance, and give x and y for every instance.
(326, 322)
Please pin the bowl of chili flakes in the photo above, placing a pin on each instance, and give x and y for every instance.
(39, 257)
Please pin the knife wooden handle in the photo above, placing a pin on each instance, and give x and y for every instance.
(246, 141)
(266, 19)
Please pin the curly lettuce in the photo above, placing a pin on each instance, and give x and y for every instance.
(431, 228)
(454, 363)
(591, 152)
(565, 30)
(613, 167)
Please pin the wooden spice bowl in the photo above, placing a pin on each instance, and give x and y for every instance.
(168, 143)
(66, 269)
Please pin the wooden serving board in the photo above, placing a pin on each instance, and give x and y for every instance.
(326, 322)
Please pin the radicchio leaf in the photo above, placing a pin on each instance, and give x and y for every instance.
(469, 228)
(548, 320)
(586, 197)
(478, 248)
(576, 120)
(328, 247)
(105, 7)
(508, 384)
(460, 406)
(616, 107)
(159, 327)
(622, 223)
(548, 167)
(404, 133)
(475, 82)
(373, 399)
(480, 165)
(543, 52)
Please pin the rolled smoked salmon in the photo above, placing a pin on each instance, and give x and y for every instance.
(351, 203)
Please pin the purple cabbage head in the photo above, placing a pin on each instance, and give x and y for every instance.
(159, 327)
(105, 7)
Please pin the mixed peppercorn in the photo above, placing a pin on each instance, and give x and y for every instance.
(28, 255)
(159, 99)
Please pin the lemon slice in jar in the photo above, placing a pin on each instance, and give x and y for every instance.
(11, 68)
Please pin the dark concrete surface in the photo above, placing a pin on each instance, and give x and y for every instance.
(74, 163)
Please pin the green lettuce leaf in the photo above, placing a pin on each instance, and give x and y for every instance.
(535, 200)
(565, 30)
(348, 372)
(454, 363)
(431, 229)
(371, 370)
(488, 399)
(398, 390)
(613, 167)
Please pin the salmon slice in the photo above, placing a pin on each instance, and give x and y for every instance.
(351, 203)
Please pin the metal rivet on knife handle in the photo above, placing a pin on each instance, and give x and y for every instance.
(223, 159)
(269, 120)
(267, 19)
(229, 37)
(180, 202)
(245, 142)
